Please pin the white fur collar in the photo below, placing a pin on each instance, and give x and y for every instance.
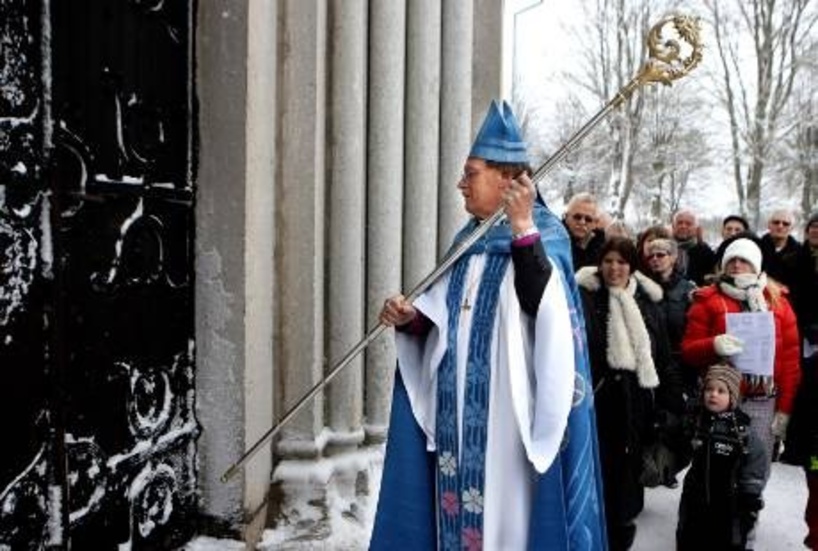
(629, 345)
(588, 278)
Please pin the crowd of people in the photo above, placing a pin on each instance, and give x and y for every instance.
(730, 447)
(563, 366)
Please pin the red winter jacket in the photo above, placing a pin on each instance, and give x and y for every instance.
(706, 319)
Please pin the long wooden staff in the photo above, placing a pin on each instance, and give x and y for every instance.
(666, 63)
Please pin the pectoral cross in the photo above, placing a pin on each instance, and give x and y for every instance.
(465, 306)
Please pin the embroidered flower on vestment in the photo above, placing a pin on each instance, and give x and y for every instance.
(447, 464)
(473, 501)
(449, 503)
(472, 539)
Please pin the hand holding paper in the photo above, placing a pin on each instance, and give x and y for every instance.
(755, 332)
(727, 345)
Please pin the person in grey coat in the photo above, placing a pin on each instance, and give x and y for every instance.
(661, 256)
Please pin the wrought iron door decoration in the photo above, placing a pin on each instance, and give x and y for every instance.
(96, 295)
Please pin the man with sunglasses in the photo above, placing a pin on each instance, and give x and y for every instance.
(587, 239)
(779, 248)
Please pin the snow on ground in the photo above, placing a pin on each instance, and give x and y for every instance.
(780, 527)
(331, 503)
(203, 543)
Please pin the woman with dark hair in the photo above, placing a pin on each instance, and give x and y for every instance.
(630, 356)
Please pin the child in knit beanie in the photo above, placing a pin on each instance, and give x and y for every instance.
(722, 384)
(722, 490)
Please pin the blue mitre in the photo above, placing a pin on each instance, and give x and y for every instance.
(500, 139)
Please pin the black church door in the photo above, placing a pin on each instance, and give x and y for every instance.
(97, 417)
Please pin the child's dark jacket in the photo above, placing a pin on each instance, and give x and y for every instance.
(722, 489)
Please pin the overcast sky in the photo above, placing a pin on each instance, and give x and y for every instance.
(544, 47)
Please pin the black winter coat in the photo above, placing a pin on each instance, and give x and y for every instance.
(804, 293)
(781, 265)
(697, 260)
(625, 412)
(801, 444)
(722, 490)
(588, 256)
(802, 433)
(677, 298)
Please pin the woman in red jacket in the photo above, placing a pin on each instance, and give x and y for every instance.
(743, 287)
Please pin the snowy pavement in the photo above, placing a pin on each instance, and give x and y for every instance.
(781, 523)
(781, 526)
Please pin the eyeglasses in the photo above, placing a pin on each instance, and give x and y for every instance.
(656, 255)
(468, 175)
(784, 223)
(577, 217)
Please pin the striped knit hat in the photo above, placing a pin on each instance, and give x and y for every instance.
(728, 375)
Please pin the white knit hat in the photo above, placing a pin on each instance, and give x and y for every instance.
(744, 249)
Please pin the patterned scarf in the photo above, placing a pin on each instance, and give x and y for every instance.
(747, 289)
(461, 472)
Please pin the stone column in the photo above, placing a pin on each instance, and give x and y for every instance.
(300, 241)
(220, 269)
(455, 115)
(259, 251)
(487, 77)
(387, 65)
(422, 139)
(347, 177)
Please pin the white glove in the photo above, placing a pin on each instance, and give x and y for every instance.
(779, 426)
(727, 345)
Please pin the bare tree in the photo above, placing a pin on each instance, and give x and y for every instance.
(672, 149)
(581, 168)
(613, 48)
(756, 95)
(612, 58)
(801, 155)
(808, 165)
(645, 152)
(530, 121)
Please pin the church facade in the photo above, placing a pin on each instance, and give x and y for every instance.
(204, 206)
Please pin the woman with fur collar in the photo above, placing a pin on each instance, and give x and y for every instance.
(630, 357)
